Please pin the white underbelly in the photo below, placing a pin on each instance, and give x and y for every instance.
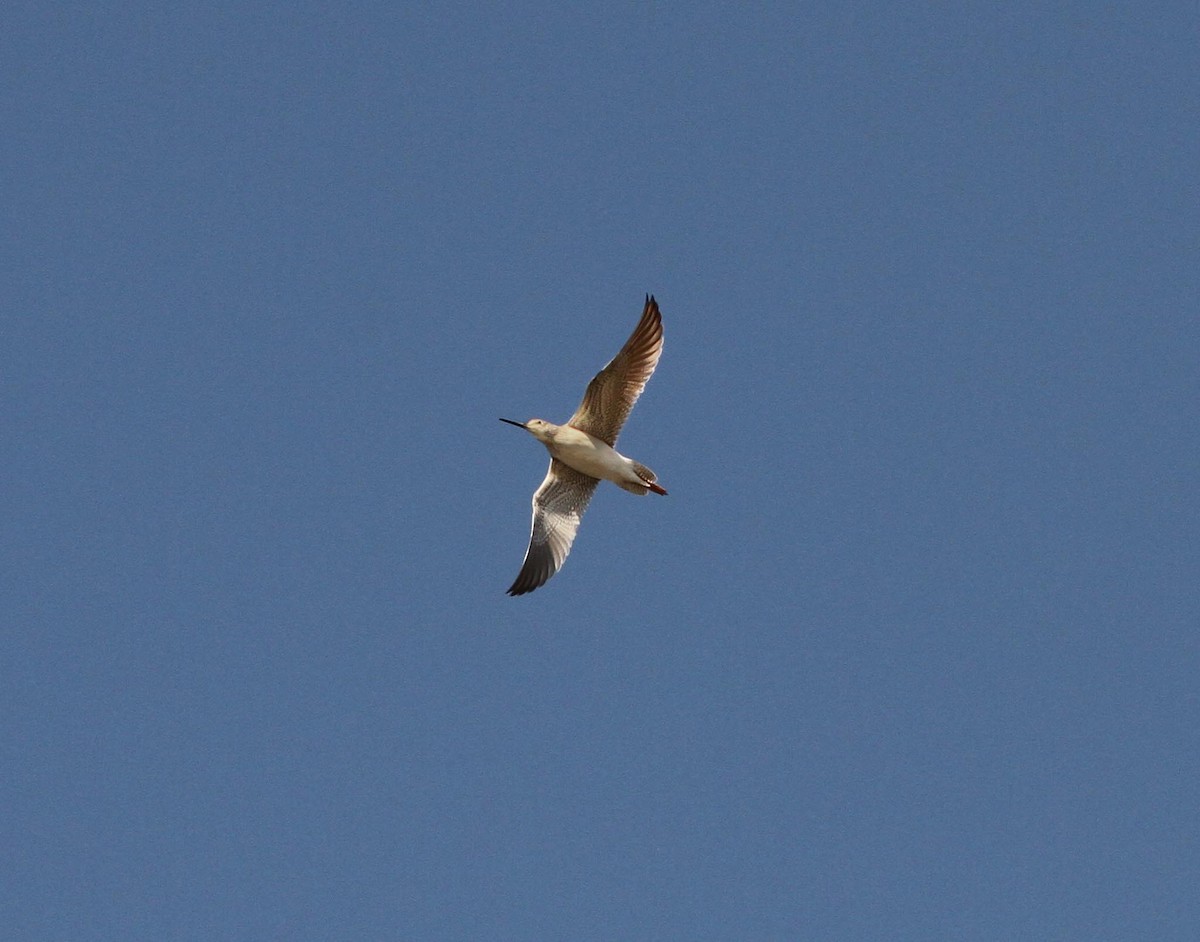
(591, 456)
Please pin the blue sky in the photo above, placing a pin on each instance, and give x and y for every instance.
(909, 652)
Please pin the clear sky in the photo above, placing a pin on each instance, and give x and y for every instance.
(910, 651)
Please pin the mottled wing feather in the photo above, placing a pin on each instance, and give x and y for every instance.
(613, 391)
(558, 506)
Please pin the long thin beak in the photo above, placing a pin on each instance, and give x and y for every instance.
(517, 424)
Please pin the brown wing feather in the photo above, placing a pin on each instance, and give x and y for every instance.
(613, 391)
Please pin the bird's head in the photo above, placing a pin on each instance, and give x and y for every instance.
(540, 429)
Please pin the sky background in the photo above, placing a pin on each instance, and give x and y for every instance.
(909, 652)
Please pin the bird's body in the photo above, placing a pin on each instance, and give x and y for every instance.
(582, 452)
(589, 455)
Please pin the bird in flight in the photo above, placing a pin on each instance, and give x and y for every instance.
(583, 452)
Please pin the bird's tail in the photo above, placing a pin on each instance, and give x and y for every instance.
(649, 477)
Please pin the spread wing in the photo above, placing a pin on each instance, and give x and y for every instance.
(558, 506)
(613, 391)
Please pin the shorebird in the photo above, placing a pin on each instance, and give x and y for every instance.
(583, 453)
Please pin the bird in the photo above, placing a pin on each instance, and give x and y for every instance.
(583, 452)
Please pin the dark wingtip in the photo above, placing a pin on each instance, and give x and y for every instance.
(527, 581)
(650, 313)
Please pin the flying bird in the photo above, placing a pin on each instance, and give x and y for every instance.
(583, 452)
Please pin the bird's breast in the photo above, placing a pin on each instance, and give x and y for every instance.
(588, 455)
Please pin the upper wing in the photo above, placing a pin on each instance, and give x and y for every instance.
(558, 506)
(613, 391)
